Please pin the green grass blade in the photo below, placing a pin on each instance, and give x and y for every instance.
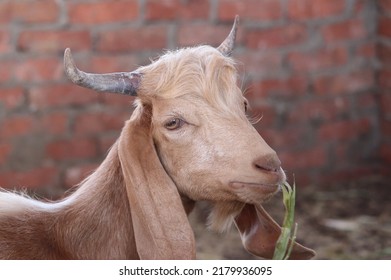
(292, 243)
(283, 246)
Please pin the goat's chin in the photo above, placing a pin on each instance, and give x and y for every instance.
(222, 215)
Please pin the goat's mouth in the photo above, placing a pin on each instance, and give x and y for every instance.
(265, 189)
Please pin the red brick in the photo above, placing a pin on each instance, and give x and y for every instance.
(16, 126)
(261, 63)
(206, 34)
(367, 50)
(288, 137)
(11, 98)
(385, 78)
(320, 60)
(367, 100)
(302, 178)
(195, 9)
(54, 41)
(6, 71)
(385, 127)
(131, 39)
(113, 63)
(344, 130)
(103, 12)
(287, 87)
(5, 150)
(92, 123)
(385, 105)
(117, 100)
(39, 69)
(385, 6)
(76, 148)
(384, 26)
(341, 152)
(60, 95)
(348, 30)
(276, 37)
(361, 6)
(265, 113)
(43, 11)
(385, 153)
(106, 142)
(345, 175)
(5, 42)
(76, 174)
(259, 10)
(384, 54)
(344, 83)
(34, 178)
(5, 11)
(308, 159)
(174, 9)
(163, 10)
(315, 9)
(319, 110)
(55, 123)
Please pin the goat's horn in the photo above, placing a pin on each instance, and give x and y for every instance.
(121, 82)
(228, 44)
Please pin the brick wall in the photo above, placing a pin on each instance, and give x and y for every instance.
(317, 71)
(384, 79)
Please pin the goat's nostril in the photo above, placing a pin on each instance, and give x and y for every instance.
(265, 168)
(269, 163)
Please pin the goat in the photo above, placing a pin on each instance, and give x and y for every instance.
(187, 140)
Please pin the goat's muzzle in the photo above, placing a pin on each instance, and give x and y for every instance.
(267, 163)
(265, 180)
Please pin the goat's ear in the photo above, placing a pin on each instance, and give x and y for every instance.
(259, 233)
(161, 226)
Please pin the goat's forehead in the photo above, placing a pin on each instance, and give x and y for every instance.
(200, 73)
(201, 53)
(190, 69)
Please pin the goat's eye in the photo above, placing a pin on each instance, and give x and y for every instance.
(245, 106)
(174, 123)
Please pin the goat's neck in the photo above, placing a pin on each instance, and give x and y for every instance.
(96, 218)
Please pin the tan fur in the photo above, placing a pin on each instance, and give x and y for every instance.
(93, 223)
(198, 72)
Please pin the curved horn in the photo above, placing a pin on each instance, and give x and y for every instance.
(121, 82)
(228, 44)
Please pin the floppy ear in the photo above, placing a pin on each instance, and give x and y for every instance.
(161, 226)
(259, 233)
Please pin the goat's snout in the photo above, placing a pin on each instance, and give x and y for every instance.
(269, 163)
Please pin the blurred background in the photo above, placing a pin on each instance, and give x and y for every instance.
(317, 71)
